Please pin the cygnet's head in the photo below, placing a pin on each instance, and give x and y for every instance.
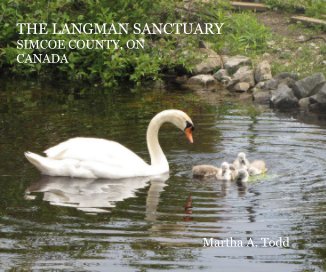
(225, 167)
(242, 157)
(243, 175)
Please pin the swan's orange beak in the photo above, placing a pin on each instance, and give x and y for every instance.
(188, 132)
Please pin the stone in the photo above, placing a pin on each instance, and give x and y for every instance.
(241, 87)
(226, 80)
(285, 75)
(284, 98)
(210, 63)
(261, 97)
(318, 100)
(273, 83)
(320, 88)
(221, 74)
(304, 103)
(301, 38)
(288, 81)
(225, 58)
(202, 82)
(243, 74)
(305, 87)
(260, 85)
(234, 63)
(263, 71)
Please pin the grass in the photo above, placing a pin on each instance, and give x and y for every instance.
(287, 54)
(304, 58)
(313, 8)
(244, 34)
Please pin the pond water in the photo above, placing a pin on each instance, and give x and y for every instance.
(141, 224)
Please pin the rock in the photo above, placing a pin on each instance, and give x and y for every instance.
(318, 100)
(226, 80)
(287, 81)
(284, 98)
(211, 62)
(261, 97)
(243, 74)
(225, 58)
(260, 85)
(241, 87)
(285, 75)
(202, 82)
(304, 103)
(301, 38)
(233, 63)
(320, 88)
(305, 87)
(221, 74)
(263, 71)
(273, 83)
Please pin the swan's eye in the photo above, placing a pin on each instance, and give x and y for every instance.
(189, 125)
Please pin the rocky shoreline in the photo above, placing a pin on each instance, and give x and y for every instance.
(284, 91)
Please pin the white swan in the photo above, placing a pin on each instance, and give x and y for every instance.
(241, 161)
(100, 158)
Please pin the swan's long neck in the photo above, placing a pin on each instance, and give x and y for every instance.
(158, 159)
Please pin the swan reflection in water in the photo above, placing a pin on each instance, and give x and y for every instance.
(96, 195)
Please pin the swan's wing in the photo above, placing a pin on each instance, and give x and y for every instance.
(95, 150)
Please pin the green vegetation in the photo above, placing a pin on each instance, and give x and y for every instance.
(162, 53)
(290, 54)
(105, 66)
(245, 34)
(314, 8)
(308, 58)
(242, 34)
(289, 5)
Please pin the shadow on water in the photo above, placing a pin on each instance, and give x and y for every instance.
(153, 224)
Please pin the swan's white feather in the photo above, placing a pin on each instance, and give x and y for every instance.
(90, 158)
(100, 158)
(94, 150)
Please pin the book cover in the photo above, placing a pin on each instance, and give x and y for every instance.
(162, 135)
